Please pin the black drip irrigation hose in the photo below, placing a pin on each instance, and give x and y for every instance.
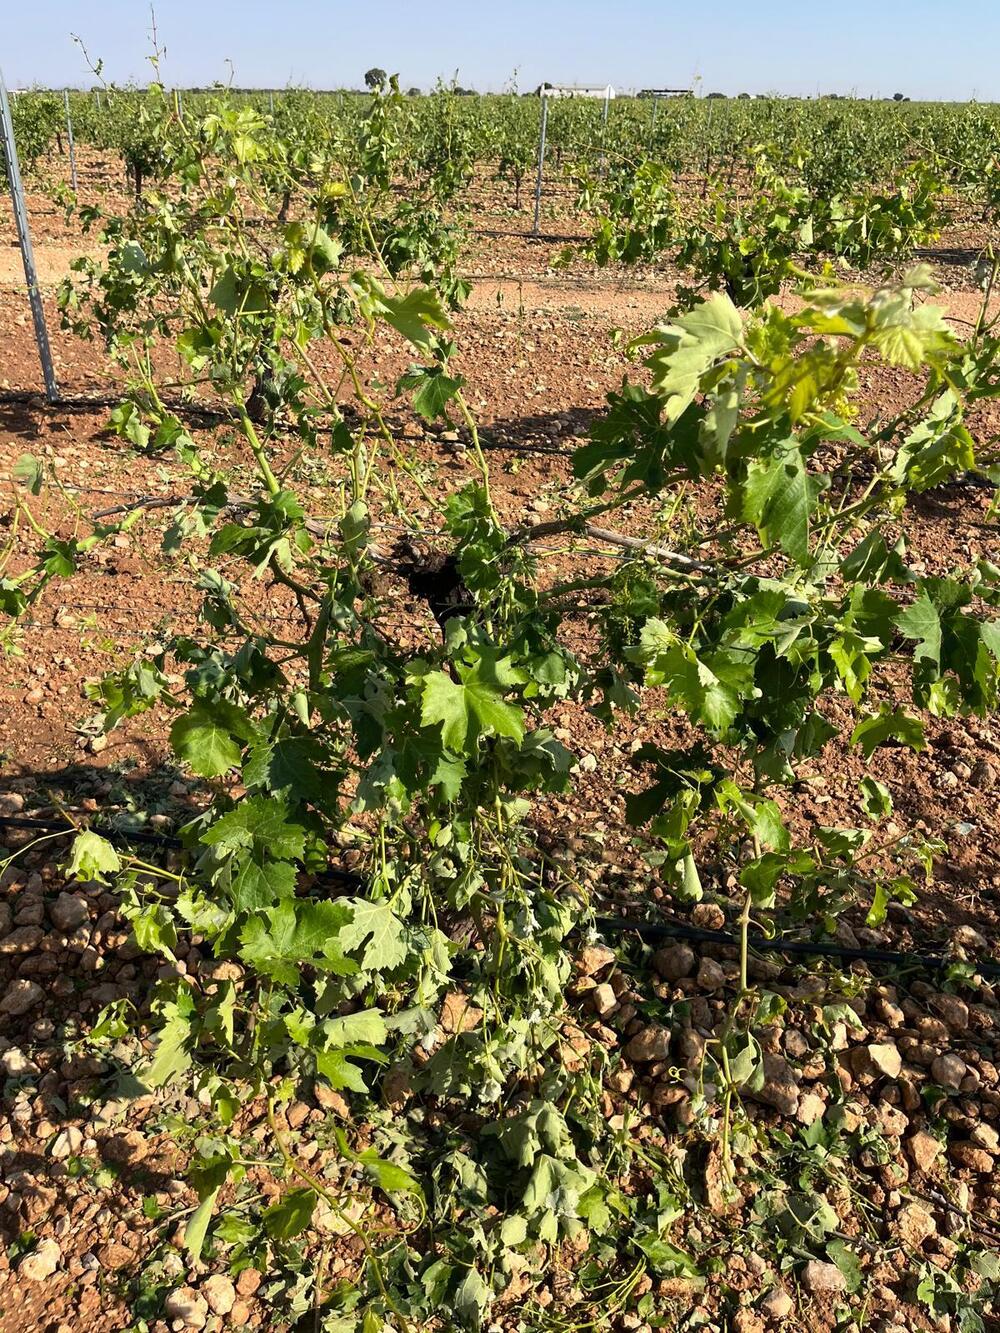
(139, 836)
(607, 925)
(657, 930)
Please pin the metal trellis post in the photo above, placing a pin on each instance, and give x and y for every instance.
(69, 140)
(24, 240)
(604, 131)
(541, 163)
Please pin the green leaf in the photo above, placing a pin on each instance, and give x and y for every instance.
(261, 823)
(415, 315)
(922, 621)
(847, 1261)
(28, 471)
(367, 1025)
(206, 738)
(260, 884)
(472, 1299)
(297, 933)
(154, 929)
(889, 724)
(172, 1056)
(197, 1226)
(666, 1258)
(377, 927)
(388, 1176)
(690, 347)
(777, 499)
(340, 1072)
(291, 1215)
(473, 705)
(92, 858)
(433, 389)
(876, 799)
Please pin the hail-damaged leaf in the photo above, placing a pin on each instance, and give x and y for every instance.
(778, 498)
(259, 822)
(375, 928)
(689, 348)
(473, 705)
(278, 943)
(889, 724)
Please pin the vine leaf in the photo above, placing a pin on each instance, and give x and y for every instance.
(294, 933)
(433, 389)
(690, 347)
(208, 737)
(376, 923)
(290, 1216)
(922, 621)
(92, 858)
(415, 315)
(777, 500)
(890, 724)
(473, 705)
(259, 822)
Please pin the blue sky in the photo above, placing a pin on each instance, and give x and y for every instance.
(923, 48)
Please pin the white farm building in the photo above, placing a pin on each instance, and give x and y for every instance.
(605, 94)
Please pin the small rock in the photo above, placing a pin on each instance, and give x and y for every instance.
(68, 912)
(777, 1304)
(125, 1149)
(812, 1107)
(985, 1136)
(796, 1045)
(882, 1058)
(948, 1070)
(953, 1010)
(652, 1043)
(220, 1293)
(924, 1150)
(248, 1281)
(780, 1088)
(674, 962)
(113, 1257)
(603, 999)
(68, 1143)
(967, 937)
(20, 996)
(915, 1225)
(708, 916)
(820, 1278)
(186, 1305)
(983, 775)
(16, 1064)
(458, 1014)
(331, 1100)
(711, 975)
(42, 1262)
(971, 1157)
(593, 958)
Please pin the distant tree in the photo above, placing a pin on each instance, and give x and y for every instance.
(898, 97)
(744, 97)
(376, 78)
(413, 92)
(713, 96)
